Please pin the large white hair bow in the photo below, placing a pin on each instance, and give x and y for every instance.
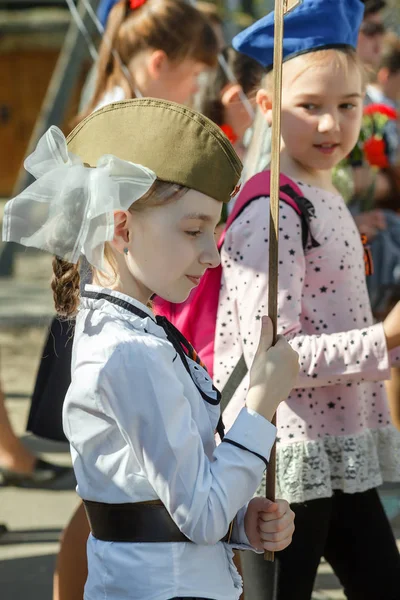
(69, 209)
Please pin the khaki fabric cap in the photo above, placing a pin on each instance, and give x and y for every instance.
(179, 144)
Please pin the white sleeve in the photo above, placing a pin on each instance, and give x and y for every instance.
(142, 392)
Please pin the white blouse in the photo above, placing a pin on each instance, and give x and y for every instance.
(142, 428)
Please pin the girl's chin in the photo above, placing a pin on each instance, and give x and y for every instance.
(319, 165)
(175, 298)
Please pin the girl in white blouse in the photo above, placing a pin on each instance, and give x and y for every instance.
(165, 504)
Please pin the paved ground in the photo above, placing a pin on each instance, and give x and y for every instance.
(36, 518)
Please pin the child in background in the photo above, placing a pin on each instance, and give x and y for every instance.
(221, 99)
(375, 158)
(336, 442)
(153, 48)
(385, 88)
(371, 34)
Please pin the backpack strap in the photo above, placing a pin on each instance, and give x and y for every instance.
(290, 193)
(306, 212)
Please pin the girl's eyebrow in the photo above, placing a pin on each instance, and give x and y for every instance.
(312, 95)
(198, 217)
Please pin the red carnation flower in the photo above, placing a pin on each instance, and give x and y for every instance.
(382, 109)
(374, 149)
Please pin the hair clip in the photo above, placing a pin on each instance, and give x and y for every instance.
(236, 190)
(133, 4)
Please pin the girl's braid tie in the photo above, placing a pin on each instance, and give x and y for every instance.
(133, 4)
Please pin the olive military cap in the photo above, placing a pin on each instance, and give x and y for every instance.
(179, 144)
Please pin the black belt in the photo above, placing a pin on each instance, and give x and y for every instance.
(135, 522)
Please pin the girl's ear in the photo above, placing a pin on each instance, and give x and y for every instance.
(230, 94)
(121, 230)
(157, 63)
(263, 100)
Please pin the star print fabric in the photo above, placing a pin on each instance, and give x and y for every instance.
(334, 432)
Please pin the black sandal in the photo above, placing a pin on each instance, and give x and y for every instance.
(43, 475)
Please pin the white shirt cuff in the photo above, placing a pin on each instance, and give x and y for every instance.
(252, 432)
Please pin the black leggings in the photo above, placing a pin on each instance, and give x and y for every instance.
(354, 535)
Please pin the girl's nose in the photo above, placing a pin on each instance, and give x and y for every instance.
(210, 256)
(328, 122)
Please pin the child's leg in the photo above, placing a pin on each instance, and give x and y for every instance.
(361, 548)
(71, 568)
(296, 565)
(13, 454)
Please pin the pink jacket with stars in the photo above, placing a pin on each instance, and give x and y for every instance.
(334, 430)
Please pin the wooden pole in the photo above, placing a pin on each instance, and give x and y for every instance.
(282, 7)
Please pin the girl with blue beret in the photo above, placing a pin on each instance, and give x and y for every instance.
(336, 443)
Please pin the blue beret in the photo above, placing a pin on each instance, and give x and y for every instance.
(313, 25)
(104, 10)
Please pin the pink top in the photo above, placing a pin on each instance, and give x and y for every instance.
(335, 430)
